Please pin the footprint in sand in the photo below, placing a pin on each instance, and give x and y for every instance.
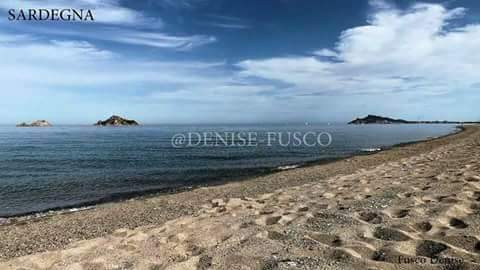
(477, 247)
(388, 234)
(423, 226)
(370, 217)
(327, 239)
(457, 223)
(430, 249)
(277, 236)
(475, 206)
(466, 242)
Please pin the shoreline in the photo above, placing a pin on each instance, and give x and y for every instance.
(42, 234)
(259, 172)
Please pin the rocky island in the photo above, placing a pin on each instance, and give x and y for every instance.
(375, 119)
(38, 123)
(115, 120)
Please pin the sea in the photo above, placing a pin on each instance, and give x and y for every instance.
(64, 167)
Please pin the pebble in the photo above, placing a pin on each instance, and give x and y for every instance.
(268, 220)
(265, 211)
(235, 202)
(218, 202)
(303, 208)
(328, 195)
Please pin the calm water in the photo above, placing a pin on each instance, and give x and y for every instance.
(46, 168)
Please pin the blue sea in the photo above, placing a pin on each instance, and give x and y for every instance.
(69, 166)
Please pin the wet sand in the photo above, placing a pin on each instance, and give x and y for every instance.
(390, 210)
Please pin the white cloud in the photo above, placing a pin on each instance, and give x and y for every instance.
(8, 38)
(326, 53)
(227, 25)
(80, 50)
(381, 4)
(417, 50)
(158, 40)
(227, 22)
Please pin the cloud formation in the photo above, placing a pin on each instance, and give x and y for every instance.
(113, 22)
(69, 63)
(78, 67)
(417, 50)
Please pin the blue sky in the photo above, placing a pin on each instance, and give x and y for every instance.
(222, 61)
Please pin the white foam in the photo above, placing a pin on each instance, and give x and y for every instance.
(370, 150)
(288, 167)
(72, 210)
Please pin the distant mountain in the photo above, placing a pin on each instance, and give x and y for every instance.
(115, 120)
(38, 123)
(375, 119)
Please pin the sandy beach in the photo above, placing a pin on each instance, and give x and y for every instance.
(415, 206)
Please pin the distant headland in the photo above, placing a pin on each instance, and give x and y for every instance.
(116, 120)
(375, 119)
(38, 123)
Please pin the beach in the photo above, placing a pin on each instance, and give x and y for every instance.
(414, 206)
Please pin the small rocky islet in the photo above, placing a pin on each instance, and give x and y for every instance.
(116, 120)
(37, 123)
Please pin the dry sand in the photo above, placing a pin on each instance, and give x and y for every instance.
(413, 207)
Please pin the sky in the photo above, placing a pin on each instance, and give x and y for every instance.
(249, 61)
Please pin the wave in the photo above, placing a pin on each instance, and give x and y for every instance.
(288, 167)
(370, 150)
